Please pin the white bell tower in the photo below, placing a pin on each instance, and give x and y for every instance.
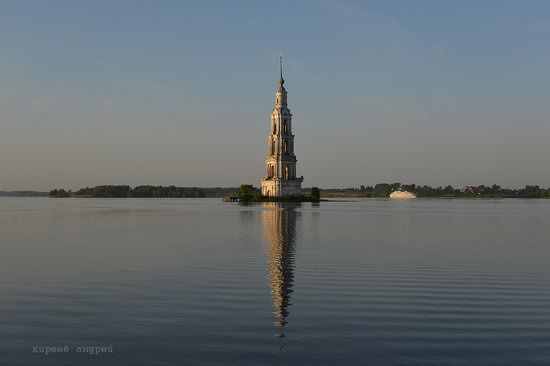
(281, 179)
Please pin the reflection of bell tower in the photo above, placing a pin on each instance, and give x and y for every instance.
(279, 221)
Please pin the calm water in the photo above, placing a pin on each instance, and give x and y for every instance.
(200, 282)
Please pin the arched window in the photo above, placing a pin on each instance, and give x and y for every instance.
(286, 147)
(272, 147)
(286, 173)
(274, 127)
(272, 171)
(285, 128)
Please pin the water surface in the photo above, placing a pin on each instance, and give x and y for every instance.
(201, 282)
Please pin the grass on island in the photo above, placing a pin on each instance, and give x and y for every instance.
(248, 193)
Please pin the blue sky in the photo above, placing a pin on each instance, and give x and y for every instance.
(177, 92)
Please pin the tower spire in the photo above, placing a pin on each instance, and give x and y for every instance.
(281, 80)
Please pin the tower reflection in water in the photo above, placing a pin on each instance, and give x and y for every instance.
(279, 224)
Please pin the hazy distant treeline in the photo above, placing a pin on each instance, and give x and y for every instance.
(23, 194)
(494, 191)
(154, 191)
(378, 190)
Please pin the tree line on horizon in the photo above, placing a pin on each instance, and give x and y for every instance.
(23, 194)
(145, 191)
(493, 191)
(378, 190)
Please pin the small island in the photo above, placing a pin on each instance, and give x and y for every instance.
(248, 193)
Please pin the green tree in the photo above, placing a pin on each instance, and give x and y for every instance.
(246, 192)
(60, 193)
(395, 187)
(257, 196)
(449, 191)
(315, 193)
(382, 190)
(408, 187)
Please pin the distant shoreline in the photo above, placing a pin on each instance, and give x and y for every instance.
(323, 198)
(380, 190)
(23, 194)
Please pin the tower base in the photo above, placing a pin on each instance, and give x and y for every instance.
(277, 187)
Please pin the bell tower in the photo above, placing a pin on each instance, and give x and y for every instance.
(281, 179)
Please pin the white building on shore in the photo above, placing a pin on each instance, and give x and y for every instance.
(402, 195)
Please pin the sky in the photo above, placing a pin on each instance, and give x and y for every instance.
(181, 92)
